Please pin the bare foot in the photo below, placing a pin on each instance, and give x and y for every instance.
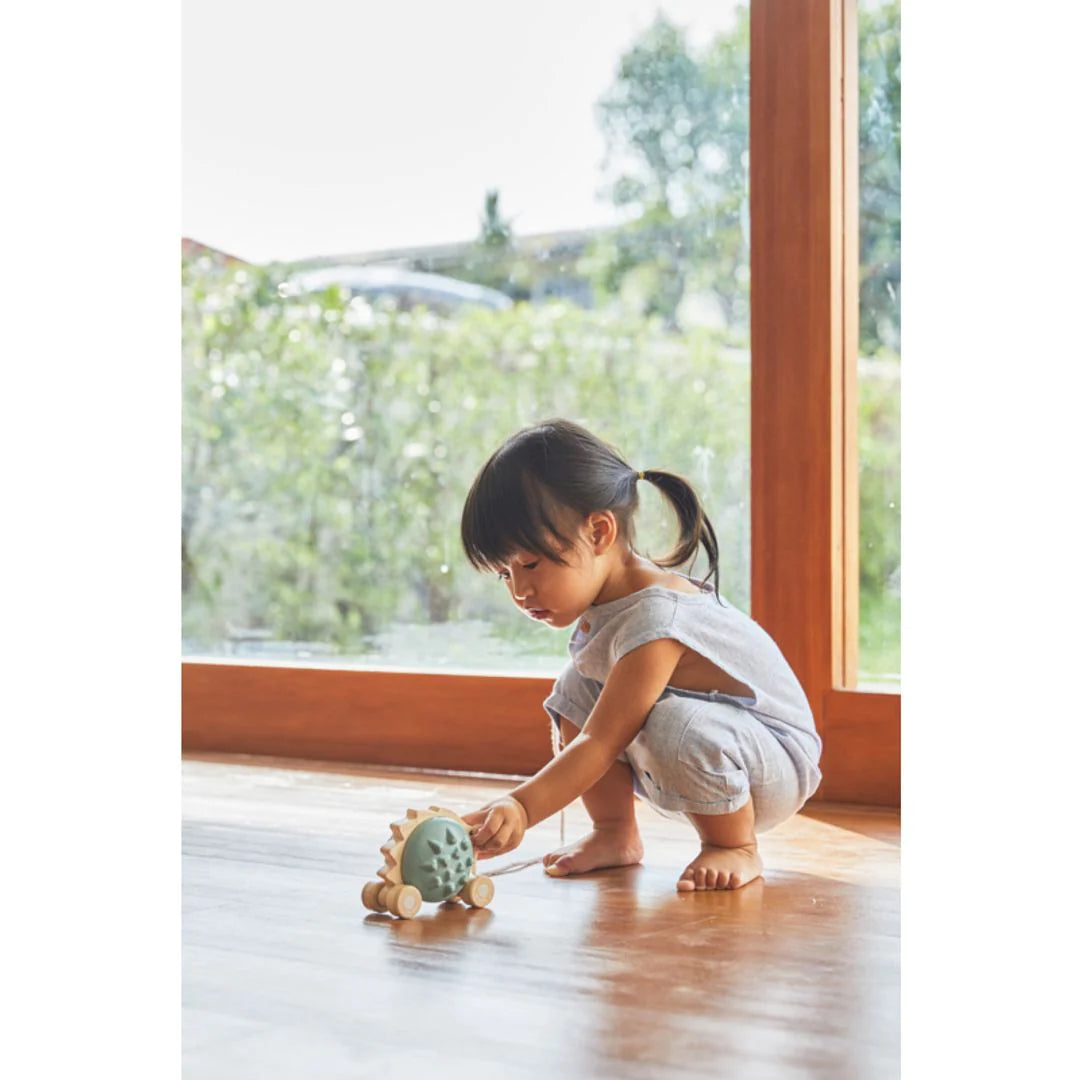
(604, 846)
(721, 868)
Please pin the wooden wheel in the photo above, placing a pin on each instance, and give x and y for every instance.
(370, 896)
(478, 891)
(403, 901)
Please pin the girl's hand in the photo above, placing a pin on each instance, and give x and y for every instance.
(500, 827)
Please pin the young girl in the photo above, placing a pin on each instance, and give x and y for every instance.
(670, 693)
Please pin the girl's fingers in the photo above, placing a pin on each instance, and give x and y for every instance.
(502, 837)
(482, 835)
(506, 839)
(492, 837)
(494, 831)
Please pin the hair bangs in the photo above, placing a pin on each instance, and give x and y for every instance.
(509, 511)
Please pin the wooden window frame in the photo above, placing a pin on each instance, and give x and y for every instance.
(804, 480)
(804, 333)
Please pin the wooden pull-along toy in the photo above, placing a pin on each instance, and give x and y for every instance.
(429, 856)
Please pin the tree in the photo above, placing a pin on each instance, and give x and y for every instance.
(676, 125)
(494, 228)
(879, 177)
(491, 260)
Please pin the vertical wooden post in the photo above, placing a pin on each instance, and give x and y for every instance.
(849, 374)
(803, 169)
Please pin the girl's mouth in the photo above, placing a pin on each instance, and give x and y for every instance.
(537, 613)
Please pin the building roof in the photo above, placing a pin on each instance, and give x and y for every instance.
(193, 249)
(565, 242)
(402, 284)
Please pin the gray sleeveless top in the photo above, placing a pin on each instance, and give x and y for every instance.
(711, 626)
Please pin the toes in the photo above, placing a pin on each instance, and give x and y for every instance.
(560, 867)
(715, 879)
(733, 875)
(707, 878)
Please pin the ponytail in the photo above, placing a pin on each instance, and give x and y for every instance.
(542, 481)
(695, 528)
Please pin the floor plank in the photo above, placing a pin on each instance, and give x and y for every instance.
(610, 975)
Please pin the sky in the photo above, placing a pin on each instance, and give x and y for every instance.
(342, 126)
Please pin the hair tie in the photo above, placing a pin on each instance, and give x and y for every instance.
(641, 475)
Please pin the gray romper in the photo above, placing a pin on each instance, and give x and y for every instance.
(701, 753)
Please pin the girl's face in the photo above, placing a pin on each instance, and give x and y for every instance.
(549, 592)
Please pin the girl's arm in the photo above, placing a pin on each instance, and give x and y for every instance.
(631, 690)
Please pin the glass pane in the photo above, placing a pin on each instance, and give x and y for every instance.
(879, 345)
(510, 246)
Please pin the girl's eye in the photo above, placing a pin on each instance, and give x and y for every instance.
(504, 575)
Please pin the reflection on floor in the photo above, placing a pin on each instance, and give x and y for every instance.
(614, 974)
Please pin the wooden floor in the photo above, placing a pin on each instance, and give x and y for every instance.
(612, 975)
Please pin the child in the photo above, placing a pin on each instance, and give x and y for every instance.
(670, 693)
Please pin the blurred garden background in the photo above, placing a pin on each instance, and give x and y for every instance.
(336, 408)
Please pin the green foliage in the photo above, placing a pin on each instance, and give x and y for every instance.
(879, 177)
(677, 127)
(879, 478)
(329, 446)
(677, 132)
(879, 514)
(495, 230)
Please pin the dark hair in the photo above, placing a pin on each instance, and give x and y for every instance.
(542, 482)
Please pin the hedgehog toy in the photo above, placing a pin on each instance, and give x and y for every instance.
(429, 856)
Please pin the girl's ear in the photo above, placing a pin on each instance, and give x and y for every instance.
(601, 529)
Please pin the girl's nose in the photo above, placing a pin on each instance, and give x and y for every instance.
(518, 586)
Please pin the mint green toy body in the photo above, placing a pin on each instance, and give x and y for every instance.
(438, 858)
(429, 856)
